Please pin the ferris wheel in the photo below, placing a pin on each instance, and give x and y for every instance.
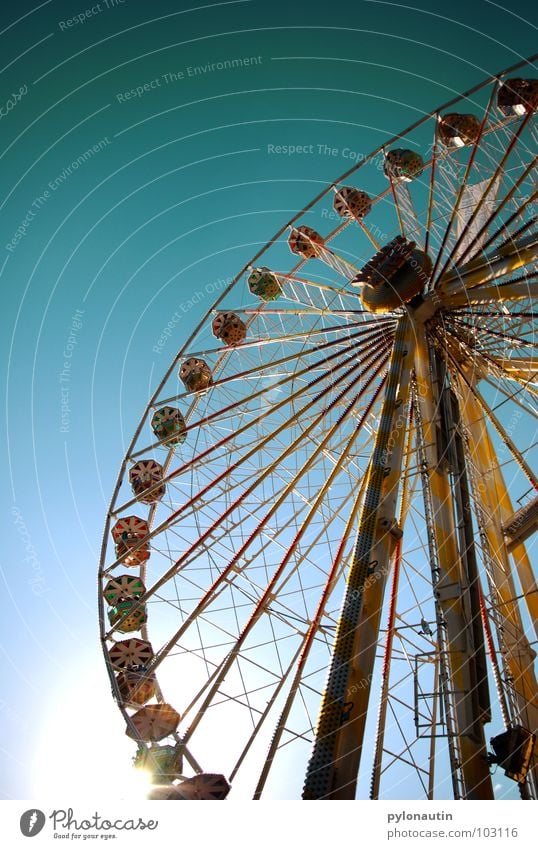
(317, 554)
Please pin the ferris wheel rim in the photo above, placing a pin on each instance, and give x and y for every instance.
(224, 355)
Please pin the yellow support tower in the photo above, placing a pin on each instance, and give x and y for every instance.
(333, 767)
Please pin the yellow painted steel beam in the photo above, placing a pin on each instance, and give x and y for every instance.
(505, 506)
(492, 492)
(494, 293)
(527, 364)
(334, 764)
(526, 576)
(506, 260)
(309, 641)
(525, 368)
(452, 591)
(471, 376)
(522, 524)
(390, 631)
(521, 377)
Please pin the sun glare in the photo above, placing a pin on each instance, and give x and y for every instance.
(82, 751)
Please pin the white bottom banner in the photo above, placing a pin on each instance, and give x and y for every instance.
(258, 825)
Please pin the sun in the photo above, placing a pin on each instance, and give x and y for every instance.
(81, 752)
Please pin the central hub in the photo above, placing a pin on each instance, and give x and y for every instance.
(394, 276)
